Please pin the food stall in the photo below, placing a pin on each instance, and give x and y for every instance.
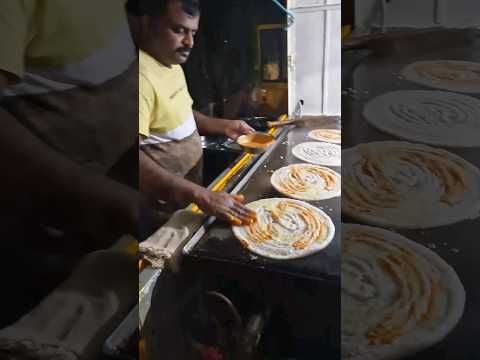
(236, 303)
(213, 249)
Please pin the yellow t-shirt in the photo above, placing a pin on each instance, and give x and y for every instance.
(57, 45)
(76, 61)
(165, 105)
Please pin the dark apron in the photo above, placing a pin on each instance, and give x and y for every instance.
(182, 158)
(93, 126)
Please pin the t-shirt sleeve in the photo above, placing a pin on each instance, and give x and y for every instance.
(13, 36)
(146, 103)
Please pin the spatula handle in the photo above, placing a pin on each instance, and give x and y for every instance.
(272, 124)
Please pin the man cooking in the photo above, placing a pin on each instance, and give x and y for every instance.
(170, 149)
(65, 121)
(68, 109)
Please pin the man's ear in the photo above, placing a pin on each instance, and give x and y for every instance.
(144, 21)
(146, 25)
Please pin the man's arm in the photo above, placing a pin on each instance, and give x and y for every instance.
(159, 183)
(207, 125)
(215, 126)
(57, 184)
(30, 166)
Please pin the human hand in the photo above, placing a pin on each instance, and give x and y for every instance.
(225, 207)
(105, 209)
(235, 128)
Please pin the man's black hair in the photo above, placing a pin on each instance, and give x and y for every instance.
(157, 7)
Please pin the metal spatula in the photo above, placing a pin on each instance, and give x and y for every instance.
(306, 121)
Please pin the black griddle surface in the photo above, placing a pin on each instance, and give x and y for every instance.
(220, 244)
(457, 244)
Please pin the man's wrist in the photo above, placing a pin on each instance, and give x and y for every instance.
(190, 192)
(218, 125)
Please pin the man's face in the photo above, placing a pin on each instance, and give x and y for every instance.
(171, 35)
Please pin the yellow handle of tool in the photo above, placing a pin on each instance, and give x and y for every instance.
(126, 243)
(141, 350)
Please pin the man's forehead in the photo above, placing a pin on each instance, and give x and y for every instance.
(178, 17)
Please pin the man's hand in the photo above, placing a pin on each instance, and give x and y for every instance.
(225, 207)
(158, 182)
(213, 126)
(105, 209)
(235, 128)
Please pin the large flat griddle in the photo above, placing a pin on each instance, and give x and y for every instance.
(215, 241)
(458, 244)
